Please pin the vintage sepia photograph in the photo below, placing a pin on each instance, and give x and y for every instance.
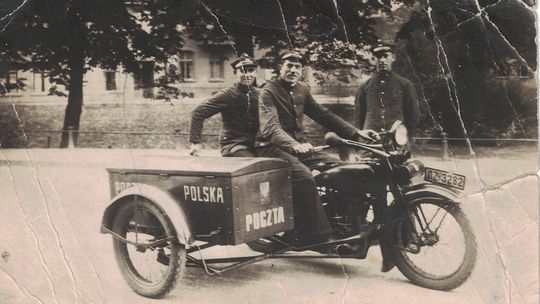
(269, 151)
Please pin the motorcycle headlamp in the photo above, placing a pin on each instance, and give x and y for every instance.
(401, 135)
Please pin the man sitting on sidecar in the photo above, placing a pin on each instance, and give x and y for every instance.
(239, 113)
(282, 104)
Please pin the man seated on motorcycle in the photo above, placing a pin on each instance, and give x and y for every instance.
(282, 104)
(238, 105)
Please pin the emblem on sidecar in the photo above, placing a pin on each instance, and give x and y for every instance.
(264, 190)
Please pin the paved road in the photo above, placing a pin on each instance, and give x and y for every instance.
(52, 252)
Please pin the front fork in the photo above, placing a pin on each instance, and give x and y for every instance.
(418, 230)
(393, 214)
(428, 226)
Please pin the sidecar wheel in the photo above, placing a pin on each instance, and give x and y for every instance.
(151, 272)
(439, 252)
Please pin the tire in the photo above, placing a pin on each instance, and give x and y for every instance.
(271, 244)
(262, 245)
(152, 224)
(411, 255)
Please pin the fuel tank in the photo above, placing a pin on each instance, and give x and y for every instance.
(350, 178)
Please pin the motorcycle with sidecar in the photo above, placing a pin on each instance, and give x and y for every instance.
(165, 212)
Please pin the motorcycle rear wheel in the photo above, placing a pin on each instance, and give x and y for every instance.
(440, 251)
(150, 272)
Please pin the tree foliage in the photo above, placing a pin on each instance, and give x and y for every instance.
(66, 38)
(458, 52)
(44, 34)
(331, 34)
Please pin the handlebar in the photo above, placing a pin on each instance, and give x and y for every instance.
(320, 148)
(332, 139)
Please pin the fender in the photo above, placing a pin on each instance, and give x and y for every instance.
(422, 190)
(162, 199)
(431, 190)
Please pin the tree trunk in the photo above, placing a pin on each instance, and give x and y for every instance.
(75, 98)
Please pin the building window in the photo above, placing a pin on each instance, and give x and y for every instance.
(3, 83)
(512, 68)
(144, 78)
(524, 72)
(40, 81)
(110, 80)
(10, 81)
(217, 63)
(185, 63)
(13, 78)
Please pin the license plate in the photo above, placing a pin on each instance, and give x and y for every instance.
(444, 178)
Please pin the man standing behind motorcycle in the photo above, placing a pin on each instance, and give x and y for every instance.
(238, 106)
(282, 105)
(386, 96)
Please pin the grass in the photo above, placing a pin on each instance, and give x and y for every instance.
(37, 120)
(29, 125)
(39, 126)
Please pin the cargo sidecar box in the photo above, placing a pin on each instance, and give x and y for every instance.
(233, 200)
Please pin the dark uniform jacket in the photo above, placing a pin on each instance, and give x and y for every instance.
(239, 114)
(281, 112)
(381, 100)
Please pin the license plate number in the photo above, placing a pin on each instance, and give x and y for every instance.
(444, 178)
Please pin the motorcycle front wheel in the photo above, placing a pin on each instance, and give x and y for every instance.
(150, 271)
(435, 245)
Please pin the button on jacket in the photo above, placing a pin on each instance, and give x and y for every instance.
(238, 106)
(281, 111)
(381, 100)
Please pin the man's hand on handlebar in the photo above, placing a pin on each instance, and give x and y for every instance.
(195, 149)
(303, 148)
(368, 134)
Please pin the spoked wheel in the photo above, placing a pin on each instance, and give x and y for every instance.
(149, 271)
(435, 244)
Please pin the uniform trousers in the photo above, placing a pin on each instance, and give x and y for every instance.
(311, 223)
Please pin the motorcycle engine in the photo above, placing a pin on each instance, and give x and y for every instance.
(348, 214)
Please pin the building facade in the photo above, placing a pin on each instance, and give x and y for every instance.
(202, 70)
